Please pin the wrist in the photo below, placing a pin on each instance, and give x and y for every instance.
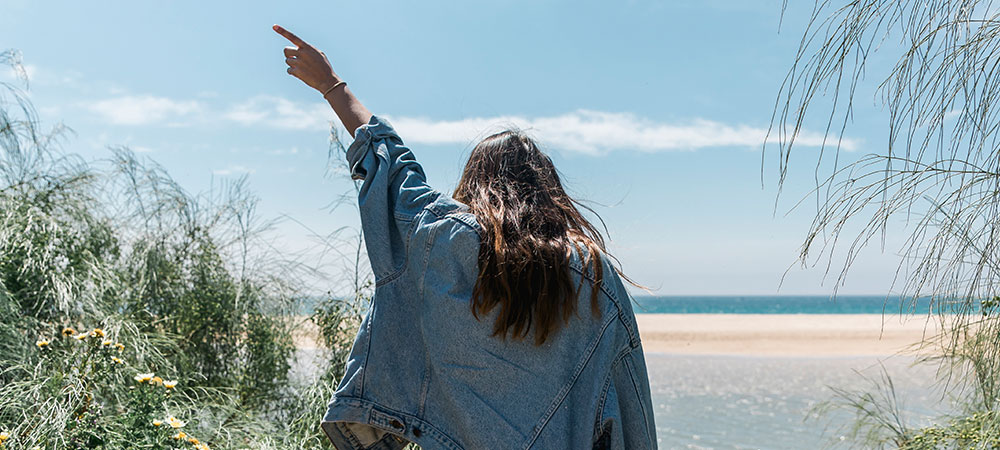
(326, 85)
(334, 87)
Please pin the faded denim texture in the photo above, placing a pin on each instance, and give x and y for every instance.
(423, 369)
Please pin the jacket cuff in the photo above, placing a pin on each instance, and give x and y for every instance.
(376, 129)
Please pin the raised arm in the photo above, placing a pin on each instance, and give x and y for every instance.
(394, 190)
(310, 65)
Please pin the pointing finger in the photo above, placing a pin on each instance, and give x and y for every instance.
(290, 36)
(291, 52)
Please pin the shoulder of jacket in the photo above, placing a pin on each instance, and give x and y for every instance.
(612, 288)
(446, 211)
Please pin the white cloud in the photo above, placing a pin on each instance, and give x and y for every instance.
(233, 170)
(583, 131)
(146, 109)
(595, 132)
(284, 151)
(277, 112)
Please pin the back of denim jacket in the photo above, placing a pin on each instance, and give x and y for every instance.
(423, 369)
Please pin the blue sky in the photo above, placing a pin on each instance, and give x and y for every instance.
(653, 111)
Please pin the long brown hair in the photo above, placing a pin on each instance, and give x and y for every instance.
(531, 227)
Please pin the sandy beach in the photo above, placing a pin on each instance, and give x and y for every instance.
(815, 335)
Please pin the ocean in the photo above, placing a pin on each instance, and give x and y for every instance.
(754, 304)
(778, 304)
(752, 402)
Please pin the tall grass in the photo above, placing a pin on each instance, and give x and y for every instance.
(938, 171)
(110, 270)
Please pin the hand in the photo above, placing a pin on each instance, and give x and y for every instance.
(307, 63)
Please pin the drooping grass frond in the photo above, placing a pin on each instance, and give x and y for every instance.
(940, 162)
(938, 171)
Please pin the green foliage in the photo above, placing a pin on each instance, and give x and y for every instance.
(78, 390)
(974, 431)
(187, 284)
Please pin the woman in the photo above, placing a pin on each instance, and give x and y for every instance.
(498, 321)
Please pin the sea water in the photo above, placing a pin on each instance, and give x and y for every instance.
(752, 402)
(759, 304)
(731, 402)
(782, 304)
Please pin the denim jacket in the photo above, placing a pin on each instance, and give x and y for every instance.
(423, 369)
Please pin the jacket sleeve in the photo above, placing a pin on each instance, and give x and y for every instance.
(393, 193)
(625, 419)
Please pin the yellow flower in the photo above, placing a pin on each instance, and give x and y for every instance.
(193, 440)
(68, 331)
(117, 360)
(143, 377)
(156, 380)
(4, 436)
(180, 435)
(202, 446)
(170, 384)
(175, 422)
(97, 332)
(42, 343)
(81, 336)
(157, 422)
(120, 347)
(106, 343)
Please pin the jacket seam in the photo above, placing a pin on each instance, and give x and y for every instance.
(425, 384)
(412, 221)
(392, 276)
(411, 216)
(368, 347)
(471, 225)
(454, 216)
(604, 390)
(635, 387)
(632, 335)
(561, 396)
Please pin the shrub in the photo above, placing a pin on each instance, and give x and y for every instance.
(187, 284)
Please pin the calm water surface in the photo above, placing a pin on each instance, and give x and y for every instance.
(732, 402)
(785, 304)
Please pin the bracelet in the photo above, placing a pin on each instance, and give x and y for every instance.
(341, 82)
